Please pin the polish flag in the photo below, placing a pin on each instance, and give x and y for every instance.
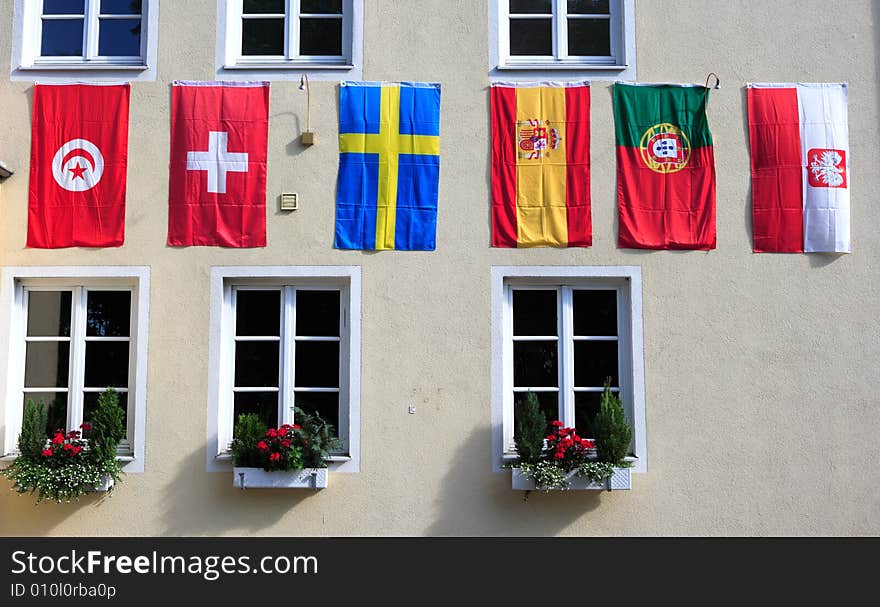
(800, 168)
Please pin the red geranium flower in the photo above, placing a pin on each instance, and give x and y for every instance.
(556, 423)
(86, 427)
(47, 453)
(262, 446)
(285, 443)
(271, 432)
(295, 427)
(58, 438)
(274, 457)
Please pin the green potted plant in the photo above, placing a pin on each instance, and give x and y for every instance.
(561, 459)
(72, 463)
(293, 456)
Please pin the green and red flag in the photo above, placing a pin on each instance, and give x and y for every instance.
(665, 167)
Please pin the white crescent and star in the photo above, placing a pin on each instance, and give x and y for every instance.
(78, 165)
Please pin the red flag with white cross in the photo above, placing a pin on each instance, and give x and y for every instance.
(217, 186)
(79, 159)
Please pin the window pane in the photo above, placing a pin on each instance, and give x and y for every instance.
(321, 7)
(264, 404)
(258, 313)
(266, 7)
(262, 37)
(534, 364)
(320, 36)
(121, 7)
(593, 362)
(531, 6)
(325, 404)
(63, 7)
(62, 38)
(90, 403)
(595, 313)
(534, 312)
(46, 364)
(317, 313)
(317, 364)
(256, 364)
(589, 37)
(119, 38)
(57, 409)
(531, 37)
(48, 313)
(106, 364)
(586, 406)
(549, 402)
(588, 7)
(109, 314)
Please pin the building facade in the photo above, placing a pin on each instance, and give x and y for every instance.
(749, 378)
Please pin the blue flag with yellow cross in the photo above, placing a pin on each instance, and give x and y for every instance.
(389, 166)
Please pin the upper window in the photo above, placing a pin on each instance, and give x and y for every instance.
(564, 34)
(562, 337)
(301, 34)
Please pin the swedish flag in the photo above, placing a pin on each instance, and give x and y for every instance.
(389, 166)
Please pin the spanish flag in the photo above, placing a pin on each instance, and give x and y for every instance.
(541, 164)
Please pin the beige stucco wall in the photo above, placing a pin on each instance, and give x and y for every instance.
(761, 370)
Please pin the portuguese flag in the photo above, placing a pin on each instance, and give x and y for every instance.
(665, 167)
(541, 164)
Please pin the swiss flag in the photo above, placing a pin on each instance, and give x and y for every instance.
(79, 157)
(217, 189)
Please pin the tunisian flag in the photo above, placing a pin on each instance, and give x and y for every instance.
(217, 188)
(541, 165)
(800, 168)
(79, 158)
(665, 167)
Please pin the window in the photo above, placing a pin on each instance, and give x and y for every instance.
(300, 34)
(561, 332)
(565, 34)
(288, 341)
(70, 339)
(102, 35)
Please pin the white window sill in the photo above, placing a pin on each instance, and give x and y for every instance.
(572, 67)
(279, 65)
(85, 67)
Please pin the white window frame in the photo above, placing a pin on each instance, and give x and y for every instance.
(15, 284)
(620, 65)
(231, 64)
(627, 281)
(29, 64)
(225, 281)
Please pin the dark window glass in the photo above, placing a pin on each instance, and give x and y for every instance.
(531, 37)
(325, 404)
(317, 364)
(119, 38)
(56, 403)
(109, 314)
(121, 7)
(589, 37)
(265, 7)
(256, 364)
(317, 313)
(531, 6)
(106, 364)
(63, 7)
(534, 312)
(595, 313)
(48, 313)
(593, 362)
(321, 7)
(258, 313)
(90, 403)
(320, 36)
(535, 364)
(264, 404)
(262, 37)
(586, 406)
(548, 401)
(46, 364)
(588, 7)
(62, 38)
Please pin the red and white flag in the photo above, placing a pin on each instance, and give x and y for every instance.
(800, 168)
(79, 158)
(217, 189)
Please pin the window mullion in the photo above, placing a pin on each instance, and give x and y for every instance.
(560, 30)
(90, 29)
(77, 359)
(291, 30)
(566, 357)
(288, 356)
(507, 358)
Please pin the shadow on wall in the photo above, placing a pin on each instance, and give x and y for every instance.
(475, 501)
(200, 503)
(20, 517)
